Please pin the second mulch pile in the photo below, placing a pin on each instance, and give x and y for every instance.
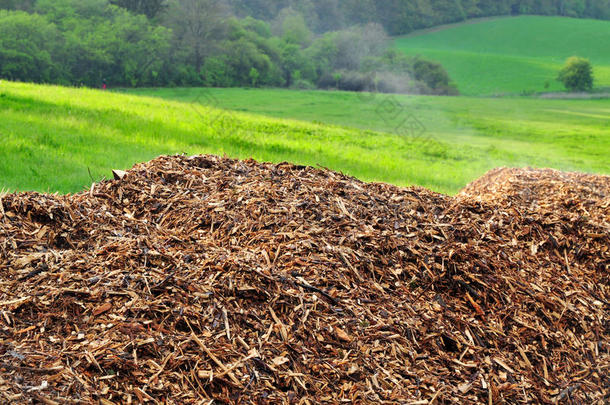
(192, 279)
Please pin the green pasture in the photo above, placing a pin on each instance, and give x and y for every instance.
(61, 139)
(515, 55)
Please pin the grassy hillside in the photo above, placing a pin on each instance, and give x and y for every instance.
(475, 133)
(53, 137)
(512, 55)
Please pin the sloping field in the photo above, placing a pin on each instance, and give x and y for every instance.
(62, 139)
(514, 55)
(192, 279)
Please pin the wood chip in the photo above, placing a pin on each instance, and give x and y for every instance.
(210, 280)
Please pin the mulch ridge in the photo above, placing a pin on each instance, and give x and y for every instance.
(202, 279)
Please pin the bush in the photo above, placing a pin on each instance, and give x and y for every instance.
(577, 74)
(434, 76)
(302, 84)
(327, 81)
(356, 81)
(215, 73)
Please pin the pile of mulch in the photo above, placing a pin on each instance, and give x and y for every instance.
(194, 280)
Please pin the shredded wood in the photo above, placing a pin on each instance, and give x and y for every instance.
(199, 280)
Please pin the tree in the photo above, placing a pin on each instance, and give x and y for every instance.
(254, 75)
(81, 42)
(354, 45)
(137, 47)
(577, 74)
(295, 30)
(337, 78)
(292, 60)
(198, 25)
(28, 44)
(150, 8)
(25, 5)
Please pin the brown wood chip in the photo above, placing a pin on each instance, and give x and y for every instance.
(208, 280)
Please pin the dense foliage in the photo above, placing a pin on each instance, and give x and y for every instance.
(223, 43)
(80, 42)
(199, 43)
(577, 74)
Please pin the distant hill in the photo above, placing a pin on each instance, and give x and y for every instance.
(513, 54)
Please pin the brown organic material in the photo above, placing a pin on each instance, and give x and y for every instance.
(191, 279)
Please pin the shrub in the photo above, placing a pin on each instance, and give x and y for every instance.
(327, 81)
(434, 76)
(302, 84)
(577, 74)
(254, 76)
(355, 81)
(215, 73)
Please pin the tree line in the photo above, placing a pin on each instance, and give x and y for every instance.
(198, 43)
(400, 17)
(282, 43)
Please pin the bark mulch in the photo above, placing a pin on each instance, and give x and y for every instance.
(200, 280)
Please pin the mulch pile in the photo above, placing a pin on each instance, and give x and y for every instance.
(194, 280)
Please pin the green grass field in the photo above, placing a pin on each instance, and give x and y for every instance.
(514, 54)
(54, 137)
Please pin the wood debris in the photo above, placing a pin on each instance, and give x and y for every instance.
(191, 280)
